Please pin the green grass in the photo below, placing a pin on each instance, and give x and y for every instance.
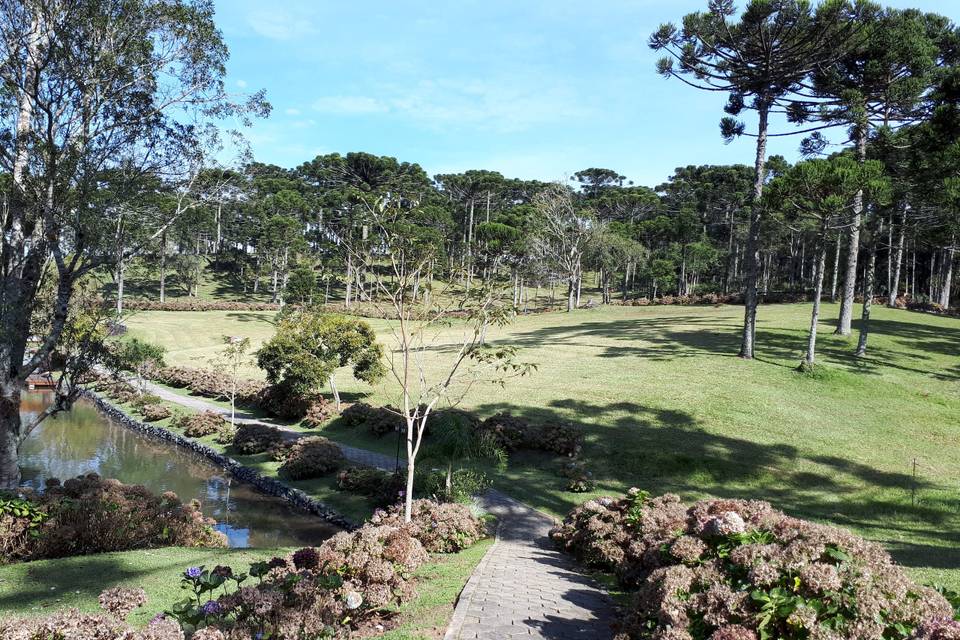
(36, 588)
(667, 406)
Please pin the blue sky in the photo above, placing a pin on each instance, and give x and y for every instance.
(530, 88)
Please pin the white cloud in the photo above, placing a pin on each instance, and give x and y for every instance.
(350, 105)
(290, 111)
(281, 24)
(242, 84)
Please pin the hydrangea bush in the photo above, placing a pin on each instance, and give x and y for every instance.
(91, 515)
(441, 527)
(256, 438)
(310, 457)
(741, 570)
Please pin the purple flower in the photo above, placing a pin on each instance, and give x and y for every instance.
(210, 607)
(157, 619)
(193, 572)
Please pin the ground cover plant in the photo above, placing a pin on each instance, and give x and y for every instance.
(663, 403)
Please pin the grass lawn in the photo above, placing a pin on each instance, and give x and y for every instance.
(667, 406)
(35, 588)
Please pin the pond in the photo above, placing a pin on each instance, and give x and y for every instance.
(84, 441)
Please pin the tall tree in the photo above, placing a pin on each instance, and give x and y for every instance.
(761, 61)
(131, 88)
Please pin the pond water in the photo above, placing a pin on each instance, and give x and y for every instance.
(84, 441)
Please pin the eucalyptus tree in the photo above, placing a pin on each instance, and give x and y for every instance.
(880, 83)
(821, 192)
(760, 59)
(563, 232)
(131, 87)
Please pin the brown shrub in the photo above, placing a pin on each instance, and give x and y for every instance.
(383, 487)
(441, 527)
(88, 514)
(310, 457)
(378, 420)
(155, 412)
(319, 412)
(202, 424)
(508, 431)
(256, 438)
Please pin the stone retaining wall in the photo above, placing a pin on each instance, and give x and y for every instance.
(270, 486)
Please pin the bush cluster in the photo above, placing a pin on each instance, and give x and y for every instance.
(378, 420)
(310, 457)
(210, 384)
(464, 484)
(741, 570)
(319, 412)
(155, 412)
(441, 527)
(205, 423)
(195, 304)
(513, 432)
(321, 592)
(88, 514)
(118, 390)
(508, 431)
(256, 438)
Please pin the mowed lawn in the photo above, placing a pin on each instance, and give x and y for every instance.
(666, 405)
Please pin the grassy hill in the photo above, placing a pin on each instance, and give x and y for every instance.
(667, 406)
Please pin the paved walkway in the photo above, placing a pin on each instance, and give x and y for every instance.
(523, 587)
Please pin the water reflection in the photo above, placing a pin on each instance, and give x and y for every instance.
(84, 441)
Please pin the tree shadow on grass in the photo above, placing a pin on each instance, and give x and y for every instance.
(666, 338)
(670, 451)
(251, 316)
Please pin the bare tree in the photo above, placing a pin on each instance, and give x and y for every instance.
(420, 327)
(563, 233)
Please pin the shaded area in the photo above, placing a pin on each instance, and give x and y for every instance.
(662, 451)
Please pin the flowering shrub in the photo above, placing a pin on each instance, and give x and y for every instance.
(119, 390)
(74, 625)
(383, 487)
(20, 523)
(196, 304)
(256, 438)
(285, 403)
(202, 424)
(315, 593)
(310, 457)
(378, 420)
(579, 478)
(91, 515)
(741, 570)
(226, 433)
(509, 431)
(155, 412)
(210, 384)
(440, 527)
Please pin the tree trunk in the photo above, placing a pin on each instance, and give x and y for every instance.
(947, 275)
(571, 293)
(121, 269)
(10, 439)
(349, 279)
(163, 266)
(898, 261)
(853, 248)
(868, 283)
(836, 269)
(752, 254)
(817, 293)
(335, 392)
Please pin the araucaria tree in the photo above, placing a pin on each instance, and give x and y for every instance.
(308, 348)
(761, 60)
(97, 95)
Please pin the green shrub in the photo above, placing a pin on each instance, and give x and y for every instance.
(464, 484)
(226, 433)
(378, 420)
(146, 399)
(384, 488)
